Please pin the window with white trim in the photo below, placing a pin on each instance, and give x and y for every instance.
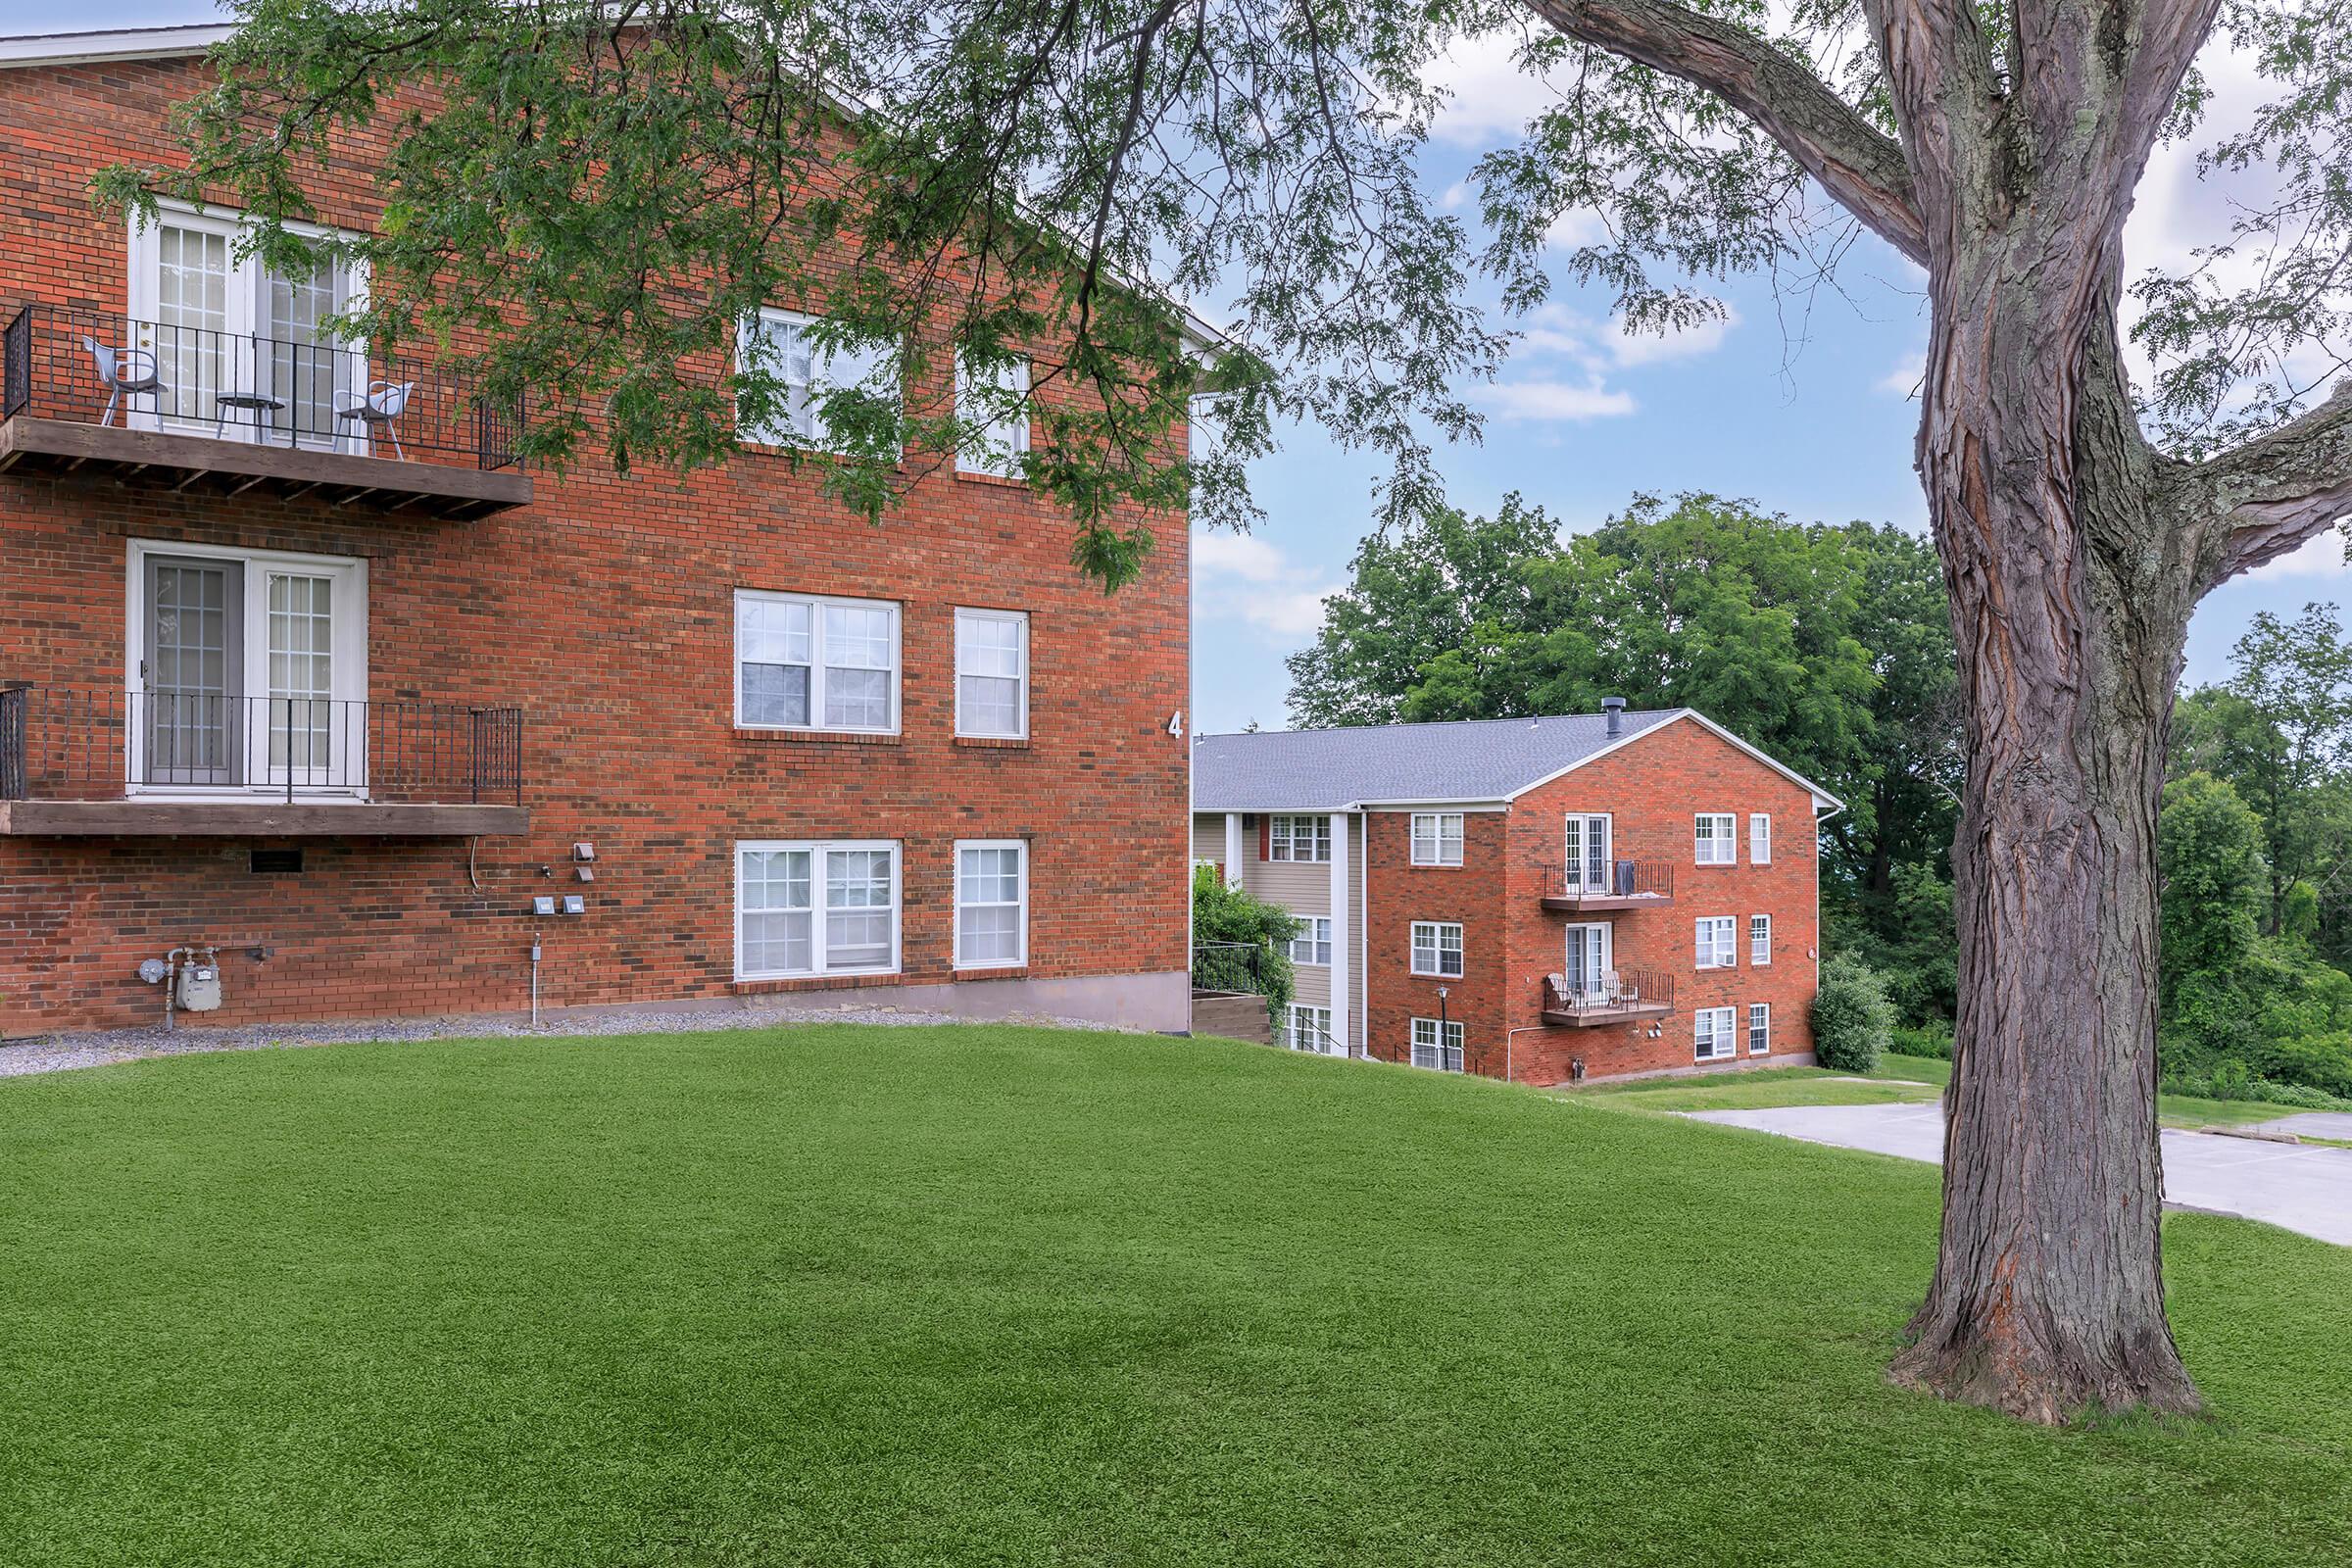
(1438, 949)
(991, 903)
(1760, 1028)
(1312, 944)
(815, 909)
(992, 673)
(803, 661)
(1438, 1046)
(1437, 838)
(1298, 838)
(781, 343)
(1759, 940)
(1713, 843)
(1715, 1033)
(993, 406)
(1716, 936)
(1310, 1029)
(1759, 838)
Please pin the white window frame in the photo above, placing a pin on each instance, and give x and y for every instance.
(1713, 838)
(1760, 1028)
(1317, 1018)
(1005, 439)
(1020, 849)
(1314, 936)
(1441, 1040)
(1716, 942)
(1019, 620)
(1437, 821)
(347, 672)
(1283, 835)
(1759, 941)
(817, 849)
(1436, 945)
(859, 367)
(817, 604)
(1714, 1034)
(1759, 838)
(243, 316)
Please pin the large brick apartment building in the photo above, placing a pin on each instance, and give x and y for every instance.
(302, 673)
(1544, 900)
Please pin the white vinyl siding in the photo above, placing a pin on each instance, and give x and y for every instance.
(991, 903)
(1715, 1033)
(1298, 838)
(993, 403)
(1437, 838)
(1438, 949)
(1716, 942)
(1312, 944)
(1438, 1046)
(1759, 838)
(1760, 1028)
(808, 663)
(815, 909)
(1759, 939)
(1712, 838)
(808, 373)
(992, 673)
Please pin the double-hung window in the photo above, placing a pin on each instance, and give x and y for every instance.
(1312, 944)
(1715, 942)
(1759, 838)
(991, 903)
(1310, 1030)
(1713, 840)
(992, 406)
(1437, 838)
(783, 344)
(1298, 838)
(1759, 939)
(808, 663)
(1715, 1033)
(1438, 1046)
(992, 673)
(815, 909)
(1760, 1028)
(1438, 949)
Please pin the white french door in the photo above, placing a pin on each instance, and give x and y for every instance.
(1588, 959)
(1588, 853)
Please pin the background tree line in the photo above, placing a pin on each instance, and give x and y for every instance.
(1831, 647)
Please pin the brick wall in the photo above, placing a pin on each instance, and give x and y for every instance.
(606, 610)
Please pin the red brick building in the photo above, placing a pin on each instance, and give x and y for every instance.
(303, 672)
(1542, 900)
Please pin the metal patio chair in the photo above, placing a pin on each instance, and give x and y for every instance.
(382, 406)
(124, 372)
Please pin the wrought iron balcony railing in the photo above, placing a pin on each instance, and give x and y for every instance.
(1613, 884)
(67, 743)
(1612, 996)
(309, 393)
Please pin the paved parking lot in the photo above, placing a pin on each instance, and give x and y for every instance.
(2300, 1187)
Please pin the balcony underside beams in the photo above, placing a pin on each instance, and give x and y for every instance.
(242, 819)
(1614, 1013)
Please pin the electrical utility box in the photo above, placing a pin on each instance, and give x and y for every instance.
(199, 986)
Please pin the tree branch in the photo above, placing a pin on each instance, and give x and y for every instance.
(1862, 170)
(2276, 491)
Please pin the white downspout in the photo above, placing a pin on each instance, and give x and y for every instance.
(1342, 932)
(1233, 849)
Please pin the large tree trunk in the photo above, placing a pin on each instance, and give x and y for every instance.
(2070, 605)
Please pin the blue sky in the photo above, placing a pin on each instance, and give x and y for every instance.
(1801, 406)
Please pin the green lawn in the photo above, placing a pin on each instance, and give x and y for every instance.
(839, 1295)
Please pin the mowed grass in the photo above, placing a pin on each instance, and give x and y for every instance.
(842, 1296)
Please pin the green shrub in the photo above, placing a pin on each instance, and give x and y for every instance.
(1229, 922)
(1927, 1040)
(2231, 1081)
(1851, 1015)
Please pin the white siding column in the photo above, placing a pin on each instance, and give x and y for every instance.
(1233, 849)
(1340, 935)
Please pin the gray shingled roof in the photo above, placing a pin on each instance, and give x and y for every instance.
(1331, 770)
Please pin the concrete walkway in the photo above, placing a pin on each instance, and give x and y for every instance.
(2301, 1189)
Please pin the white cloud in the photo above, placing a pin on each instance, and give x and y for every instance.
(1239, 555)
(1676, 343)
(1903, 381)
(1492, 97)
(1241, 577)
(1552, 400)
(2321, 557)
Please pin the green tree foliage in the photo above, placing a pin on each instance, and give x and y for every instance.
(1851, 1015)
(1233, 916)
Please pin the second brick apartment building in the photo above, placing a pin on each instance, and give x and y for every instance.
(1546, 899)
(309, 692)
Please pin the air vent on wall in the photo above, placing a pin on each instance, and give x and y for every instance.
(278, 863)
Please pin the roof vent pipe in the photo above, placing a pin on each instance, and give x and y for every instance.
(1614, 708)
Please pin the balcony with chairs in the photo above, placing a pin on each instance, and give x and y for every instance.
(86, 391)
(1610, 996)
(1610, 885)
(93, 760)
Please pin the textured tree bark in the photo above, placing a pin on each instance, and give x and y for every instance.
(2072, 584)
